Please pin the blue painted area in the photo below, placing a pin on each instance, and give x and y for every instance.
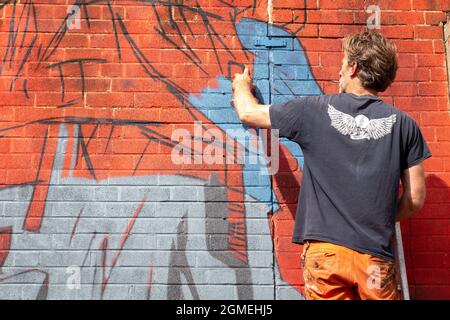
(280, 74)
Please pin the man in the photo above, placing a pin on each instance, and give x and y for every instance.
(356, 148)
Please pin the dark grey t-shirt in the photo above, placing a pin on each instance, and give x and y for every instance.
(355, 148)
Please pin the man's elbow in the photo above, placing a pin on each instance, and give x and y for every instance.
(417, 201)
(246, 118)
(416, 206)
(250, 119)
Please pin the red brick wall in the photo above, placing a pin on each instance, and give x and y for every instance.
(421, 89)
(106, 101)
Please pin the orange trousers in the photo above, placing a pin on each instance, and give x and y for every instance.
(333, 272)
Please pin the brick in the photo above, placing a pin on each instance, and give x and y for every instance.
(294, 4)
(432, 89)
(109, 99)
(280, 16)
(322, 45)
(428, 260)
(413, 74)
(403, 5)
(334, 31)
(397, 32)
(435, 119)
(416, 103)
(434, 165)
(402, 89)
(430, 60)
(440, 149)
(443, 133)
(438, 74)
(403, 18)
(435, 18)
(406, 60)
(323, 16)
(414, 46)
(435, 5)
(431, 292)
(428, 32)
(431, 276)
(342, 4)
(438, 46)
(429, 227)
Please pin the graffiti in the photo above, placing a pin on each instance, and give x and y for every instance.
(95, 188)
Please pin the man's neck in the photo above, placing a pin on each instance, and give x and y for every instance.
(361, 91)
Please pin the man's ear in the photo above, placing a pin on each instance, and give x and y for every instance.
(354, 69)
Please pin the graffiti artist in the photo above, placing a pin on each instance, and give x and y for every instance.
(357, 148)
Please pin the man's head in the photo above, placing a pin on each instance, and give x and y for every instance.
(370, 62)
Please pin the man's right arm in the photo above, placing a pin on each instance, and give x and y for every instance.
(414, 191)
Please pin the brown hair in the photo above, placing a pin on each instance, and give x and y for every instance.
(376, 58)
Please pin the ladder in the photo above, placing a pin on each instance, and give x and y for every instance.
(402, 278)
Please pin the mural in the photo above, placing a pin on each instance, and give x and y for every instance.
(92, 205)
(103, 200)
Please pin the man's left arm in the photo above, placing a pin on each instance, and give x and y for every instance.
(249, 110)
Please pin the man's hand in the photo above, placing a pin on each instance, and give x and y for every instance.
(414, 191)
(243, 81)
(247, 106)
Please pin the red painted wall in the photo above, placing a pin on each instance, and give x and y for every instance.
(421, 89)
(119, 88)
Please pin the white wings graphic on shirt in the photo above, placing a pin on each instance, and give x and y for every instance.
(360, 127)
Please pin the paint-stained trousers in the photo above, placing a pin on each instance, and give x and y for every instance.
(335, 272)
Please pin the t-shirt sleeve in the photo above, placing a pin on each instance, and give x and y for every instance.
(415, 148)
(287, 117)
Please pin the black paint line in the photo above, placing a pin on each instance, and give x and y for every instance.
(38, 54)
(75, 226)
(68, 104)
(166, 138)
(179, 93)
(165, 37)
(77, 120)
(61, 78)
(140, 158)
(36, 27)
(88, 249)
(174, 25)
(25, 58)
(55, 41)
(85, 153)
(171, 143)
(109, 138)
(4, 3)
(80, 63)
(19, 185)
(15, 35)
(10, 36)
(25, 88)
(81, 60)
(83, 4)
(28, 6)
(158, 18)
(159, 141)
(94, 131)
(183, 17)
